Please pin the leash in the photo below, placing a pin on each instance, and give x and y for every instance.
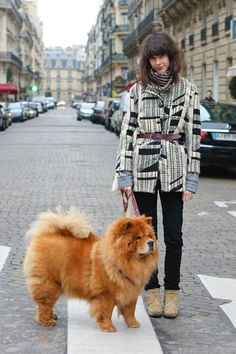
(125, 200)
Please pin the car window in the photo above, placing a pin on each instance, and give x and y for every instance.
(15, 105)
(219, 113)
(87, 105)
(100, 104)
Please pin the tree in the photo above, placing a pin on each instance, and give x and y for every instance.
(232, 86)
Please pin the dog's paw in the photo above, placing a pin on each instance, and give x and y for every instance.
(134, 324)
(49, 323)
(109, 328)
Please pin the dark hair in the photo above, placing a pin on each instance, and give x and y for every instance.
(159, 43)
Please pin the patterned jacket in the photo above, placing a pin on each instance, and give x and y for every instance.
(176, 111)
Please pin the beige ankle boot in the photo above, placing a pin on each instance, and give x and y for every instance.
(171, 303)
(153, 302)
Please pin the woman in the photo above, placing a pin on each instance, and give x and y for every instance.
(159, 155)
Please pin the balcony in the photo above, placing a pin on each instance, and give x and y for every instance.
(9, 57)
(123, 3)
(11, 7)
(121, 28)
(146, 23)
(130, 43)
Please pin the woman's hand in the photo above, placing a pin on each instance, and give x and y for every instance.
(186, 195)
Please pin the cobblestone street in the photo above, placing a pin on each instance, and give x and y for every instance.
(56, 160)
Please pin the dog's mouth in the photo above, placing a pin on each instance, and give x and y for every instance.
(149, 248)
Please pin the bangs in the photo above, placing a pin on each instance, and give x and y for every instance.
(156, 47)
(152, 52)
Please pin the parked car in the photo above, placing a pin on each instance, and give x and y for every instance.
(7, 112)
(218, 135)
(98, 112)
(18, 111)
(3, 120)
(30, 110)
(51, 102)
(117, 117)
(113, 106)
(61, 103)
(85, 110)
(42, 100)
(37, 106)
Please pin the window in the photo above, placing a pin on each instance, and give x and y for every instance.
(216, 79)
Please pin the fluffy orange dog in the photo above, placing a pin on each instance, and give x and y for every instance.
(65, 257)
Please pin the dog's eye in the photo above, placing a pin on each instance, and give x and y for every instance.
(138, 237)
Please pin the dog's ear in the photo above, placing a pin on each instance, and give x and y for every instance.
(149, 220)
(126, 225)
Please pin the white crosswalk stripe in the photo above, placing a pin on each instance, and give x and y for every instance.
(84, 336)
(222, 288)
(4, 251)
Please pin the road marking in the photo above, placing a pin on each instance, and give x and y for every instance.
(222, 288)
(224, 204)
(233, 213)
(84, 335)
(4, 251)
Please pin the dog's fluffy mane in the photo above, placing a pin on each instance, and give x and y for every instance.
(74, 220)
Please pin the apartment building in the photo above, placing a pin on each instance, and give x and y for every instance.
(90, 64)
(202, 30)
(111, 64)
(20, 63)
(63, 72)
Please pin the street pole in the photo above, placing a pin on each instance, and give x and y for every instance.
(111, 78)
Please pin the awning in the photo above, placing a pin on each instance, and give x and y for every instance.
(231, 71)
(9, 89)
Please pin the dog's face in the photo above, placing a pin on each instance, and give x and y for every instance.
(135, 236)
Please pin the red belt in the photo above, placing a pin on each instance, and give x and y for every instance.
(159, 136)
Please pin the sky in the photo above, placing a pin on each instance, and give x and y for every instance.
(67, 22)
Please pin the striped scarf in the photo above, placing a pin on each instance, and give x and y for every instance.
(160, 82)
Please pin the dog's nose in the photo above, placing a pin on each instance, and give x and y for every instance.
(151, 245)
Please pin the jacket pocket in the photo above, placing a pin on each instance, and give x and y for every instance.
(146, 159)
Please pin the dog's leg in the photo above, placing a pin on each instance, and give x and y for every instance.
(45, 297)
(128, 312)
(101, 309)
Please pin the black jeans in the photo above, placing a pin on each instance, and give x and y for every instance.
(172, 214)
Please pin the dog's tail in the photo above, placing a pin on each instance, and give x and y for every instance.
(74, 221)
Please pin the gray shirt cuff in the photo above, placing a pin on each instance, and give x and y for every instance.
(125, 179)
(192, 179)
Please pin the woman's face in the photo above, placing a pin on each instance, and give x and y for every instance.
(160, 63)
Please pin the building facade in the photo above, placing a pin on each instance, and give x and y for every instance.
(63, 73)
(202, 30)
(108, 63)
(143, 17)
(20, 61)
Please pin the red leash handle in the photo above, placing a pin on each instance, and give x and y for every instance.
(125, 200)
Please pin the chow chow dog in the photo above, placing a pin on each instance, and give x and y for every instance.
(64, 257)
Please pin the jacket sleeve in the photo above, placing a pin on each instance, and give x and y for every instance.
(192, 133)
(130, 122)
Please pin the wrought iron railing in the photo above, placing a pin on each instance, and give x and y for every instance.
(10, 58)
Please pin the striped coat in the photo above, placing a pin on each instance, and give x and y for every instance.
(176, 111)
